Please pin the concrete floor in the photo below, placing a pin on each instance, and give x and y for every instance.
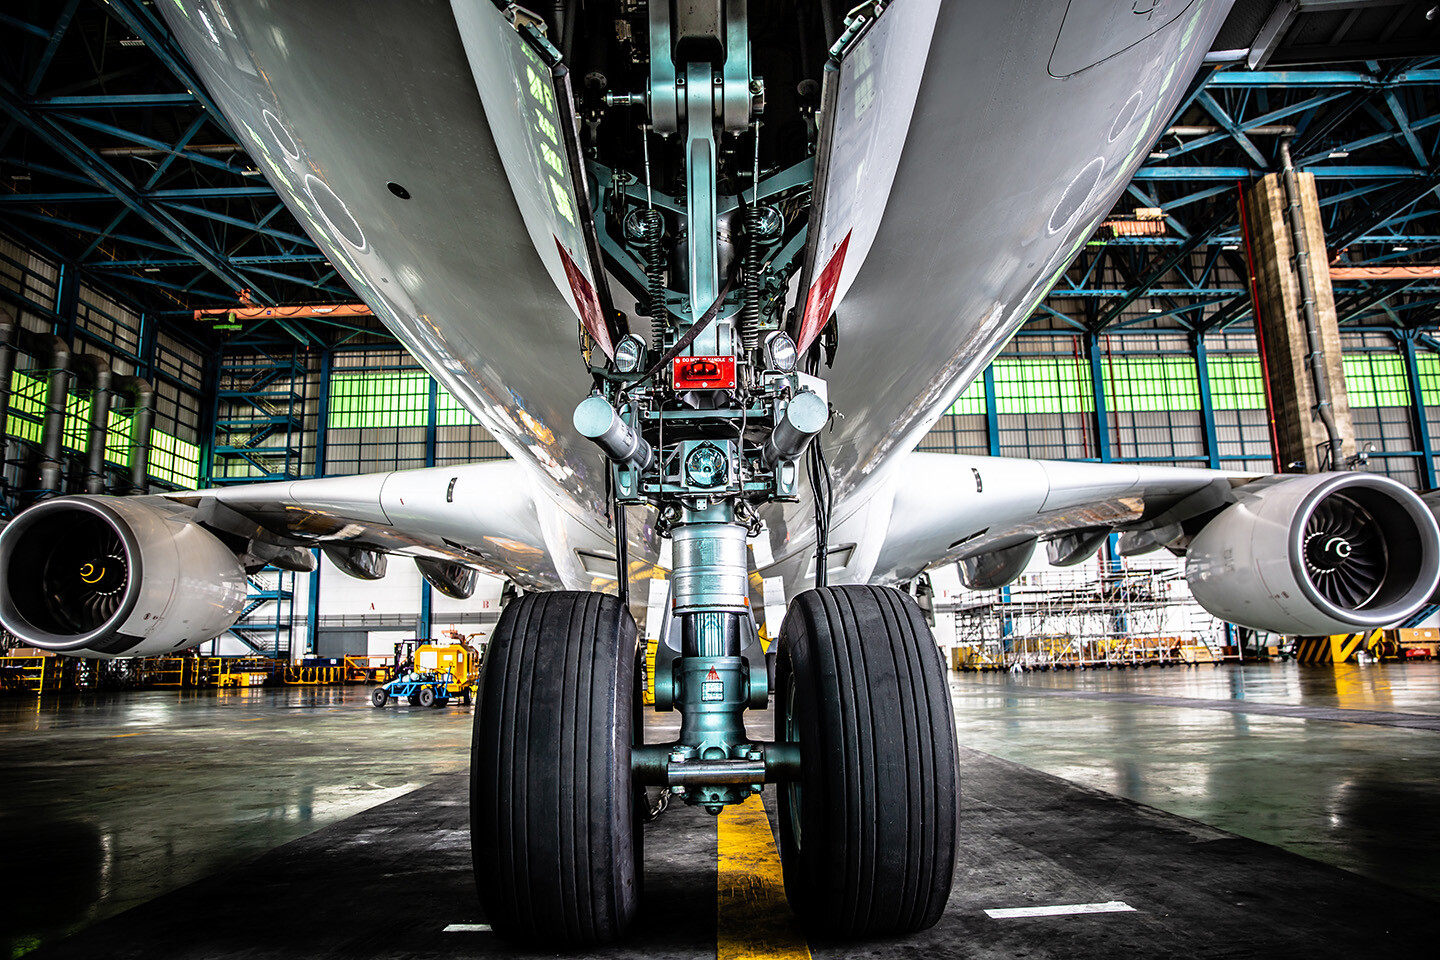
(222, 823)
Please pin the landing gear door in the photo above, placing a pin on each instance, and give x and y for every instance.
(526, 94)
(871, 85)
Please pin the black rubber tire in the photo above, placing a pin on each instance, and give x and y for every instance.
(553, 822)
(466, 696)
(379, 696)
(861, 685)
(425, 697)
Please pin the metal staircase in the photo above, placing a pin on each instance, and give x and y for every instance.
(259, 435)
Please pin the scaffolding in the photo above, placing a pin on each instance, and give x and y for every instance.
(1102, 615)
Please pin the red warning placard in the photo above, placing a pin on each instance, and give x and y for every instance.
(703, 373)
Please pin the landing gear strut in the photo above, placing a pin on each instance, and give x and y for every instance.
(709, 422)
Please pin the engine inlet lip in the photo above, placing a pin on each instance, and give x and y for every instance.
(14, 533)
(1425, 567)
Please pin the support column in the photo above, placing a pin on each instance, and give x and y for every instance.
(992, 416)
(322, 425)
(1282, 309)
(1207, 402)
(1097, 386)
(1417, 409)
(425, 628)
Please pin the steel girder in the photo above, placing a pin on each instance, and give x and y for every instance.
(114, 161)
(1371, 137)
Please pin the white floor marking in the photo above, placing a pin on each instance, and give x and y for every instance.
(468, 928)
(1010, 913)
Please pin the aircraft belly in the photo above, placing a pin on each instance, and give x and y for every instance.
(337, 99)
(1005, 172)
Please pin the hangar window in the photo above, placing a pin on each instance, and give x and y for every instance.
(1044, 402)
(173, 461)
(1237, 397)
(379, 412)
(1379, 393)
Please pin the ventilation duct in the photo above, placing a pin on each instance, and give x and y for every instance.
(98, 430)
(56, 354)
(141, 400)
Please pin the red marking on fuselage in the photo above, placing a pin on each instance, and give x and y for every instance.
(586, 301)
(821, 300)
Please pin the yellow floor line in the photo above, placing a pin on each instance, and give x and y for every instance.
(753, 919)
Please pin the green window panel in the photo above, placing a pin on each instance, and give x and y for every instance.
(1429, 366)
(1042, 385)
(27, 407)
(173, 460)
(1236, 382)
(450, 413)
(972, 400)
(379, 400)
(1376, 380)
(117, 439)
(1151, 384)
(77, 423)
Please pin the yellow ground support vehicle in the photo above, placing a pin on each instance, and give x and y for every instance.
(459, 660)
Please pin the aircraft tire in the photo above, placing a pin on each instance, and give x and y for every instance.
(378, 696)
(862, 688)
(554, 830)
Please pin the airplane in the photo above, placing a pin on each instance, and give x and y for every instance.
(708, 271)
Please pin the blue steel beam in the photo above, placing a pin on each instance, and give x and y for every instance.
(150, 143)
(103, 232)
(239, 222)
(57, 34)
(95, 196)
(1357, 172)
(261, 259)
(114, 101)
(180, 143)
(1290, 79)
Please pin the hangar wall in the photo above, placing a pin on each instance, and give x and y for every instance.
(46, 300)
(270, 407)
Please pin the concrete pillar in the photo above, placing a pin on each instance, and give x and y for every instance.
(1281, 322)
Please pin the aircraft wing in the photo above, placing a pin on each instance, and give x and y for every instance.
(480, 515)
(1290, 553)
(103, 576)
(990, 513)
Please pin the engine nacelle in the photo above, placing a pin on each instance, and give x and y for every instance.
(1320, 554)
(115, 577)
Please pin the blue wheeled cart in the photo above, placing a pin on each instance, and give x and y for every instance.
(422, 690)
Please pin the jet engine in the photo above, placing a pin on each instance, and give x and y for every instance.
(1319, 554)
(115, 577)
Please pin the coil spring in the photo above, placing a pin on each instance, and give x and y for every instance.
(653, 237)
(750, 311)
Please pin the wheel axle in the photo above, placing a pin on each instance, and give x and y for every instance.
(665, 765)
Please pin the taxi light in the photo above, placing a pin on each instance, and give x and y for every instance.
(780, 352)
(629, 354)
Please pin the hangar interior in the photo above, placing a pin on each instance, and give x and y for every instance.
(167, 324)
